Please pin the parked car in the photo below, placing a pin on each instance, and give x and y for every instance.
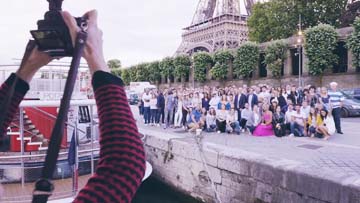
(353, 93)
(132, 97)
(351, 104)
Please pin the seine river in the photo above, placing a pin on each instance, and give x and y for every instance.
(154, 191)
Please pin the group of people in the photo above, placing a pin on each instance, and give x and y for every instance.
(258, 110)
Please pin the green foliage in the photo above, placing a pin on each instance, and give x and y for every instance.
(219, 71)
(320, 44)
(142, 72)
(125, 75)
(278, 19)
(222, 60)
(182, 65)
(114, 64)
(246, 60)
(275, 55)
(167, 67)
(202, 61)
(133, 74)
(353, 43)
(116, 72)
(154, 72)
(223, 57)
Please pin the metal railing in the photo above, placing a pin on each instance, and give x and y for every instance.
(19, 171)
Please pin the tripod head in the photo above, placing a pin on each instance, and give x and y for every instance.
(52, 35)
(55, 5)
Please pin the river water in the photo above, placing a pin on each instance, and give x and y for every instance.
(154, 191)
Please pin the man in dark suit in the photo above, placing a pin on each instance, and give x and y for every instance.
(252, 98)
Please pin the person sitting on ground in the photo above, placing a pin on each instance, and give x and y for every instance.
(313, 122)
(265, 128)
(288, 116)
(246, 113)
(221, 119)
(122, 157)
(279, 125)
(204, 113)
(232, 123)
(195, 119)
(305, 108)
(327, 128)
(211, 120)
(297, 124)
(253, 120)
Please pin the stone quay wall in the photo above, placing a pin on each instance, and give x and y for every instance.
(241, 176)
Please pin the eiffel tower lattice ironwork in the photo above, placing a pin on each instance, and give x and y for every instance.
(216, 25)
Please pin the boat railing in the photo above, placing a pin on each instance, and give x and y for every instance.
(19, 170)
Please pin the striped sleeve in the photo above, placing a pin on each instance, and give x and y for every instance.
(122, 159)
(21, 87)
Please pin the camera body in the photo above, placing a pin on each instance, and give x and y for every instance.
(53, 36)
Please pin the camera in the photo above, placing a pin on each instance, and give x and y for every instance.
(53, 36)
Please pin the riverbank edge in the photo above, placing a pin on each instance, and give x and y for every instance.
(242, 176)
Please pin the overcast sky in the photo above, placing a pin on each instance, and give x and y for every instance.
(134, 31)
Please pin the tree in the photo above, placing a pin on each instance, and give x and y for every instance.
(133, 73)
(142, 72)
(182, 65)
(278, 19)
(219, 71)
(246, 60)
(353, 43)
(320, 44)
(349, 16)
(202, 63)
(167, 67)
(115, 65)
(223, 60)
(154, 72)
(275, 55)
(125, 75)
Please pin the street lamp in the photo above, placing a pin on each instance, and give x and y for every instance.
(299, 44)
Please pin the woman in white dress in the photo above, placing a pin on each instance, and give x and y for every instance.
(328, 127)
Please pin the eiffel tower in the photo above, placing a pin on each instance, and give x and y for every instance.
(216, 25)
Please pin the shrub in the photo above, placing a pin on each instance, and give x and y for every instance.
(202, 62)
(320, 44)
(275, 55)
(246, 60)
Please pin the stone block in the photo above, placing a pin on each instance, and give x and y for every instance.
(192, 151)
(263, 192)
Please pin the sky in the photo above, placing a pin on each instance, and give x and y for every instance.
(135, 31)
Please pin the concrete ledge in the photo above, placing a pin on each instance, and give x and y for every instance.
(243, 176)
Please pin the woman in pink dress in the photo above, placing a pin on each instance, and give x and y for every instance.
(265, 128)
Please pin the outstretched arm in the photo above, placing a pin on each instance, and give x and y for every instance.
(32, 61)
(122, 159)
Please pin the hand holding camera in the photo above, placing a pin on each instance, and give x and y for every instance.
(93, 52)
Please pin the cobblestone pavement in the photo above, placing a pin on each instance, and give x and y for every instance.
(341, 153)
